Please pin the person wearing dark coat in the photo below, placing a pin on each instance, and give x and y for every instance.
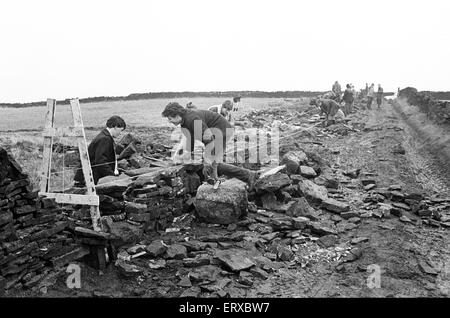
(101, 151)
(348, 98)
(379, 96)
(198, 125)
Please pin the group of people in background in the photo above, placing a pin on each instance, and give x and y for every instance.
(337, 104)
(349, 95)
(225, 109)
(102, 151)
(370, 93)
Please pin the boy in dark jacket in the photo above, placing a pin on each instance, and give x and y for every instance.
(102, 154)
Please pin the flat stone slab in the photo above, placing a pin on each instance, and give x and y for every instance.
(272, 183)
(142, 171)
(427, 269)
(366, 182)
(75, 254)
(401, 206)
(91, 233)
(349, 215)
(328, 240)
(234, 259)
(335, 205)
(320, 229)
(110, 184)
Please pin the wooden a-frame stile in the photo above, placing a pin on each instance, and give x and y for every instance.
(77, 131)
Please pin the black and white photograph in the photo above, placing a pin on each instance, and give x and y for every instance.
(220, 156)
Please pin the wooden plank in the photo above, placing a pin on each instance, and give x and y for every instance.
(82, 199)
(82, 146)
(63, 132)
(85, 163)
(48, 141)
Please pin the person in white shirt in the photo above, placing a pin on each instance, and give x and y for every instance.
(236, 103)
(225, 110)
(370, 96)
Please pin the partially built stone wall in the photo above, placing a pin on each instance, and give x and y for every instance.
(35, 235)
(149, 198)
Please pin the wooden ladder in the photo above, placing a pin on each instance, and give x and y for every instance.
(77, 131)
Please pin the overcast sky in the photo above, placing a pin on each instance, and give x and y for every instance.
(64, 49)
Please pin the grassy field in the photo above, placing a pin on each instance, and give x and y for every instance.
(135, 113)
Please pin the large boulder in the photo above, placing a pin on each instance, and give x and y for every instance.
(142, 171)
(224, 205)
(312, 192)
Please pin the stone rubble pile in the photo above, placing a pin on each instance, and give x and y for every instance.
(412, 208)
(288, 223)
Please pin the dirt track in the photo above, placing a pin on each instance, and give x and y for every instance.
(396, 251)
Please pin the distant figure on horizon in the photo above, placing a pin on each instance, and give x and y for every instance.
(236, 103)
(336, 89)
(370, 96)
(379, 96)
(348, 98)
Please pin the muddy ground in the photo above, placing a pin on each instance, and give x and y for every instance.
(394, 247)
